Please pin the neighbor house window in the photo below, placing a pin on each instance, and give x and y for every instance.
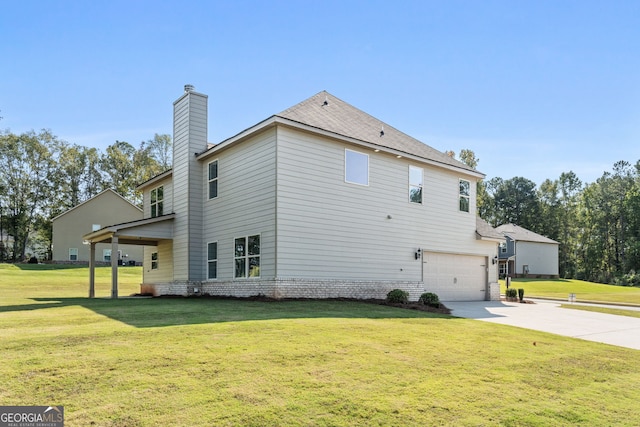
(465, 187)
(415, 184)
(157, 201)
(106, 255)
(247, 256)
(212, 260)
(213, 179)
(154, 260)
(73, 254)
(356, 167)
(503, 248)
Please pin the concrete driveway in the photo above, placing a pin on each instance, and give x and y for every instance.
(548, 316)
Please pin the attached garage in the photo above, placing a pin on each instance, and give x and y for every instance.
(455, 277)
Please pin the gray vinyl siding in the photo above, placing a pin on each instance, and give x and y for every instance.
(245, 205)
(190, 137)
(330, 229)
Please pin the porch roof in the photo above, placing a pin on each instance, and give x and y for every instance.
(147, 232)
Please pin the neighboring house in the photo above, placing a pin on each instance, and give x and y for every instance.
(527, 254)
(104, 209)
(319, 201)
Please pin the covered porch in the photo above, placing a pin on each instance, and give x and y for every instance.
(144, 232)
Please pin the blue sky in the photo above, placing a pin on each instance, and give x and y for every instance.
(534, 88)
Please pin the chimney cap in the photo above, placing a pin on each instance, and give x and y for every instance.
(189, 88)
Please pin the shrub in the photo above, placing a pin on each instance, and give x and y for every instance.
(429, 298)
(521, 294)
(398, 296)
(511, 293)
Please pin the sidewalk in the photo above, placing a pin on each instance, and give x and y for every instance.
(548, 316)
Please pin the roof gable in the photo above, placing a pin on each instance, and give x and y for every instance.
(327, 112)
(521, 234)
(94, 198)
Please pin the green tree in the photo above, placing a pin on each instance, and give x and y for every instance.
(161, 150)
(119, 168)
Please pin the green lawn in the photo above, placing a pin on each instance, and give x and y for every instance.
(606, 310)
(204, 362)
(585, 291)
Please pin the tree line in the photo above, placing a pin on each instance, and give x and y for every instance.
(597, 224)
(42, 176)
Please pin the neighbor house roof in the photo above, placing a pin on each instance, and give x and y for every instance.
(94, 198)
(330, 115)
(520, 234)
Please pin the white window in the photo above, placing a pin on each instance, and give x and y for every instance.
(465, 190)
(73, 254)
(212, 260)
(106, 255)
(415, 184)
(356, 167)
(95, 227)
(157, 201)
(247, 256)
(503, 248)
(154, 260)
(213, 179)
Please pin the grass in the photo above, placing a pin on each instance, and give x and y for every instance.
(616, 311)
(203, 362)
(585, 291)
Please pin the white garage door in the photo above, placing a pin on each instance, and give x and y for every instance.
(455, 277)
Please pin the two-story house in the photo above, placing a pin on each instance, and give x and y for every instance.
(319, 201)
(526, 254)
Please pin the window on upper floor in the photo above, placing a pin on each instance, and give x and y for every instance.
(247, 256)
(73, 254)
(212, 260)
(503, 248)
(356, 167)
(465, 191)
(213, 179)
(415, 184)
(157, 201)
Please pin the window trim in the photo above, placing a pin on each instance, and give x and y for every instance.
(346, 166)
(158, 202)
(246, 257)
(414, 185)
(210, 180)
(211, 261)
(155, 263)
(462, 196)
(76, 254)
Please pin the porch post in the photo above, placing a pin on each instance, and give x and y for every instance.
(114, 266)
(92, 270)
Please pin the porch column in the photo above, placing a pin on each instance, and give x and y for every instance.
(92, 270)
(114, 266)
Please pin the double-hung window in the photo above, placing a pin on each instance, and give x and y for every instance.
(415, 184)
(157, 201)
(247, 256)
(73, 254)
(356, 167)
(154, 260)
(213, 179)
(465, 191)
(212, 260)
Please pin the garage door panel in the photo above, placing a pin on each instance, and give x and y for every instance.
(455, 277)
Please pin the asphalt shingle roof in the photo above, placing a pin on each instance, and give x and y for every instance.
(518, 233)
(327, 112)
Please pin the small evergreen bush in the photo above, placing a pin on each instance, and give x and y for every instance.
(521, 294)
(511, 293)
(429, 298)
(398, 296)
